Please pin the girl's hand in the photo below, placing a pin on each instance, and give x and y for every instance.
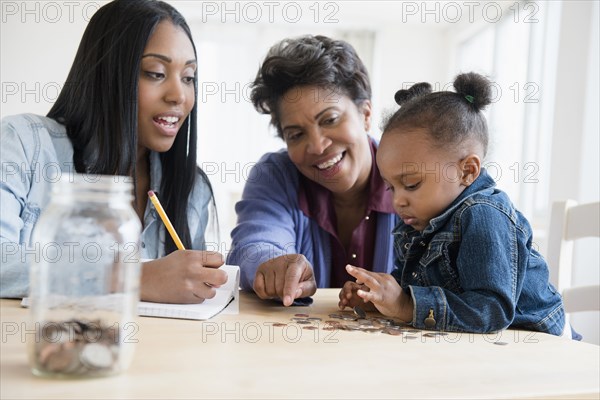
(184, 276)
(384, 292)
(349, 298)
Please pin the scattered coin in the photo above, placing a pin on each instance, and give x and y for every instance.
(384, 321)
(355, 320)
(349, 327)
(399, 324)
(393, 332)
(372, 330)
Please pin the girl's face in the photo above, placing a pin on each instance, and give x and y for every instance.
(424, 179)
(326, 137)
(166, 86)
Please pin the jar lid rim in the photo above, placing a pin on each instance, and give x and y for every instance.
(96, 181)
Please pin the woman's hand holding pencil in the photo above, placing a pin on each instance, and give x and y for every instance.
(184, 276)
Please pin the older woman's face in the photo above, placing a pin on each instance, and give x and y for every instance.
(326, 137)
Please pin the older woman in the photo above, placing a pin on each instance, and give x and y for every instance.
(309, 210)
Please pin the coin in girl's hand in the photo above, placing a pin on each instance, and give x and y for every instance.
(359, 312)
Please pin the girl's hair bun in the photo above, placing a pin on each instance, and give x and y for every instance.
(476, 89)
(416, 90)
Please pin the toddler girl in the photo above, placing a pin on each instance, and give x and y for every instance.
(464, 256)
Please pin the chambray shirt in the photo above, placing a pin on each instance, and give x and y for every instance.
(34, 152)
(473, 268)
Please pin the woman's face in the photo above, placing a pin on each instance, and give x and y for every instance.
(166, 87)
(326, 137)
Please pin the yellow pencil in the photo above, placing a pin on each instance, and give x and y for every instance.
(165, 220)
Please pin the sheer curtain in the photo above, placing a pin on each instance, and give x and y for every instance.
(519, 55)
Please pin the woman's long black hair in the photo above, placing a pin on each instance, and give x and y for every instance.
(99, 105)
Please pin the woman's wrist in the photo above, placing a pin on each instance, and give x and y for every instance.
(145, 281)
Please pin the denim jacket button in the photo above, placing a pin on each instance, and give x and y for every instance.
(430, 320)
(414, 274)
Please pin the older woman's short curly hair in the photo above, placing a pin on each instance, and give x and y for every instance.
(308, 61)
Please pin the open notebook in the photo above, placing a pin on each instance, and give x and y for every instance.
(225, 301)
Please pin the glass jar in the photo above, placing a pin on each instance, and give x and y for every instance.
(84, 282)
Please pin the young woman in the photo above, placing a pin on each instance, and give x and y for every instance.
(129, 108)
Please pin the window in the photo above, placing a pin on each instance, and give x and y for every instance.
(518, 53)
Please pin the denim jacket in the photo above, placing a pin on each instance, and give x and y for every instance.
(473, 268)
(34, 151)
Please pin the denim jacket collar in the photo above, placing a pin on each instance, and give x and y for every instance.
(484, 182)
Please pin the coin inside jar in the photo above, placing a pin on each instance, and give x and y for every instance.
(96, 356)
(59, 357)
(76, 348)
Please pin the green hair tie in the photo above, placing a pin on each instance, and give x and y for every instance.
(469, 98)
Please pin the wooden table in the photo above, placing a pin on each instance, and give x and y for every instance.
(244, 356)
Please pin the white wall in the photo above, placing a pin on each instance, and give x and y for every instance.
(407, 54)
(575, 161)
(38, 42)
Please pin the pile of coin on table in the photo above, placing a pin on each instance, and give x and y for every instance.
(76, 348)
(357, 320)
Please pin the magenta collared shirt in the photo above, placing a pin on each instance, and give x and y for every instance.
(316, 203)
